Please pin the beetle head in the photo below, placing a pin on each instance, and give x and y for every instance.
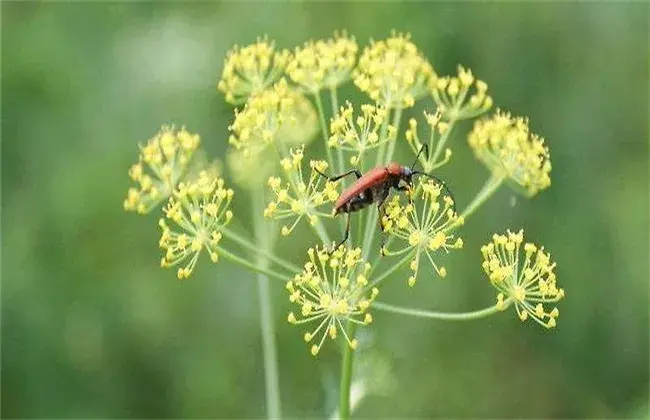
(407, 175)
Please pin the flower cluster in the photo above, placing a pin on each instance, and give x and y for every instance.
(422, 228)
(258, 123)
(507, 147)
(360, 134)
(251, 170)
(428, 161)
(530, 285)
(299, 197)
(331, 292)
(393, 72)
(278, 112)
(275, 89)
(451, 95)
(199, 208)
(251, 69)
(161, 165)
(324, 63)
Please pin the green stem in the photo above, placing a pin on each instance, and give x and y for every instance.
(448, 316)
(489, 188)
(383, 132)
(271, 377)
(390, 271)
(339, 152)
(346, 376)
(321, 232)
(252, 247)
(323, 126)
(243, 262)
(441, 142)
(391, 147)
(335, 109)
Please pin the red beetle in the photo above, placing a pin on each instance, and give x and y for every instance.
(374, 187)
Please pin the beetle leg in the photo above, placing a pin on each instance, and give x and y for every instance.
(381, 223)
(343, 175)
(345, 236)
(408, 188)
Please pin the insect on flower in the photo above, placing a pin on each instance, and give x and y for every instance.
(374, 187)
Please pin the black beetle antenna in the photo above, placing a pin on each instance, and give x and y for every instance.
(424, 149)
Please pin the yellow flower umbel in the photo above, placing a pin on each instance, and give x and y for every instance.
(299, 197)
(251, 170)
(529, 285)
(393, 72)
(251, 69)
(161, 164)
(451, 95)
(302, 124)
(422, 226)
(436, 128)
(279, 113)
(508, 148)
(200, 209)
(324, 63)
(360, 134)
(330, 292)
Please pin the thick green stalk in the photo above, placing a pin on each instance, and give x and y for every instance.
(448, 316)
(346, 376)
(271, 377)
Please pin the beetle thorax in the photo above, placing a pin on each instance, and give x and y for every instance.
(395, 169)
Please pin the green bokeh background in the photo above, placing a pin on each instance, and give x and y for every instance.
(92, 327)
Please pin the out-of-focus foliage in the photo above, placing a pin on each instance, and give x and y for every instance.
(93, 327)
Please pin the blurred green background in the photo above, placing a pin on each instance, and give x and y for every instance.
(92, 327)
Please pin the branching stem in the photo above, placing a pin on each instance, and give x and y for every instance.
(255, 248)
(448, 316)
(489, 188)
(253, 267)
